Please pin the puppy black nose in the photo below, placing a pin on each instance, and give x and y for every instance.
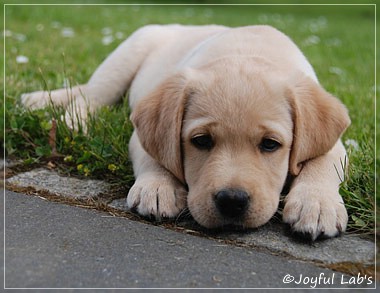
(231, 203)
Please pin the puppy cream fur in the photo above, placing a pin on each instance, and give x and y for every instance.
(222, 116)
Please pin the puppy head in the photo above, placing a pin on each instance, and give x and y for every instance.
(232, 134)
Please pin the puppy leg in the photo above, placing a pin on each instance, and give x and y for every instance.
(108, 83)
(156, 192)
(314, 206)
(60, 97)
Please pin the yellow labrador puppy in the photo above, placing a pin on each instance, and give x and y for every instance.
(223, 116)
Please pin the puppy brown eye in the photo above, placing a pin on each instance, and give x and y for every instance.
(202, 141)
(269, 145)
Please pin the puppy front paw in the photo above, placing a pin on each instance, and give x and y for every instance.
(157, 196)
(315, 211)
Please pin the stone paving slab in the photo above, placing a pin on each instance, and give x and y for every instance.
(43, 179)
(277, 238)
(273, 237)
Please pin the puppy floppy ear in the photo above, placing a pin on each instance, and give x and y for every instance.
(319, 120)
(158, 121)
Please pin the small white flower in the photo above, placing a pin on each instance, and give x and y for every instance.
(322, 21)
(107, 40)
(20, 37)
(106, 31)
(263, 18)
(352, 143)
(119, 35)
(336, 70)
(40, 27)
(7, 33)
(67, 32)
(22, 59)
(312, 40)
(318, 24)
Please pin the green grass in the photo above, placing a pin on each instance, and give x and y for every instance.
(338, 41)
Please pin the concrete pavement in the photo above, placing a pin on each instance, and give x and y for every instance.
(53, 245)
